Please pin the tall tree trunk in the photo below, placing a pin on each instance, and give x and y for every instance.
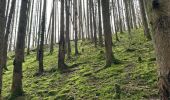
(75, 27)
(30, 28)
(100, 24)
(9, 21)
(107, 32)
(61, 55)
(160, 18)
(144, 20)
(127, 18)
(52, 34)
(133, 13)
(88, 26)
(130, 13)
(68, 46)
(94, 23)
(91, 27)
(81, 17)
(116, 21)
(41, 49)
(39, 30)
(2, 31)
(120, 18)
(17, 89)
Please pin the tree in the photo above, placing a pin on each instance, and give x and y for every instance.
(120, 18)
(133, 13)
(17, 89)
(30, 28)
(88, 26)
(9, 21)
(68, 46)
(90, 15)
(127, 17)
(75, 27)
(52, 34)
(100, 24)
(144, 20)
(39, 30)
(61, 55)
(2, 31)
(115, 18)
(107, 33)
(94, 22)
(41, 49)
(158, 12)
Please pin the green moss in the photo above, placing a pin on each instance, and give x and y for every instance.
(52, 93)
(88, 79)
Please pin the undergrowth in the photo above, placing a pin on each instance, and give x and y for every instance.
(135, 78)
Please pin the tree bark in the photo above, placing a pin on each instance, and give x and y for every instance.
(30, 28)
(75, 27)
(107, 33)
(61, 54)
(52, 34)
(120, 18)
(9, 21)
(68, 46)
(127, 18)
(94, 22)
(39, 30)
(17, 89)
(144, 20)
(2, 31)
(41, 49)
(100, 24)
(159, 17)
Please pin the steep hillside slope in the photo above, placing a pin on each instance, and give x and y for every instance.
(135, 78)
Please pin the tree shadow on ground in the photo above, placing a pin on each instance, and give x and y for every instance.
(24, 96)
(67, 69)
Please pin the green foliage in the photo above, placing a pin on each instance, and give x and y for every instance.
(133, 79)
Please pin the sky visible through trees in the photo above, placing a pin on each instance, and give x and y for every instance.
(48, 14)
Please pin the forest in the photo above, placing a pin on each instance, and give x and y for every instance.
(84, 50)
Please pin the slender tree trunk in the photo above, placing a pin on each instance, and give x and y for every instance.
(2, 31)
(41, 49)
(39, 30)
(115, 18)
(52, 34)
(120, 18)
(61, 54)
(30, 30)
(81, 17)
(144, 20)
(107, 33)
(75, 27)
(127, 18)
(68, 46)
(100, 24)
(133, 13)
(17, 89)
(88, 26)
(9, 21)
(130, 13)
(91, 27)
(94, 23)
(58, 23)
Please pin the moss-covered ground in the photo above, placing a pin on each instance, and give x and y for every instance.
(135, 78)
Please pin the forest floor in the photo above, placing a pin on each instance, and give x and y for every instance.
(135, 78)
